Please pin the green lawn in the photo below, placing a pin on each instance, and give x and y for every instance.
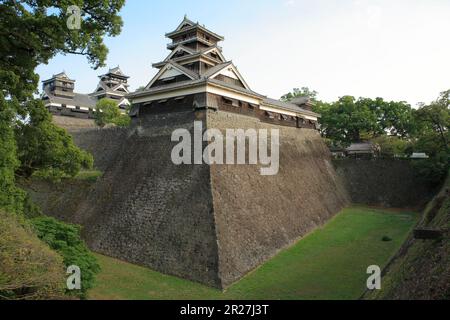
(89, 175)
(330, 263)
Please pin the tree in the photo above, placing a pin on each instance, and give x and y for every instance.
(303, 92)
(46, 148)
(65, 239)
(347, 120)
(433, 123)
(11, 197)
(393, 118)
(107, 112)
(392, 145)
(31, 33)
(432, 136)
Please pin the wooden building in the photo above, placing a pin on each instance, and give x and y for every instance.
(60, 98)
(113, 85)
(197, 73)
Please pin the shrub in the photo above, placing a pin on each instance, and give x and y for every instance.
(107, 112)
(65, 239)
(28, 268)
(432, 171)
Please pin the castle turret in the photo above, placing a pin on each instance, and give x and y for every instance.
(60, 85)
(193, 35)
(60, 98)
(196, 74)
(113, 85)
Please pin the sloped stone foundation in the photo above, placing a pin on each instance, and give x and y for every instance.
(210, 224)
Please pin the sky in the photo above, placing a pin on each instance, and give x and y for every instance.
(394, 49)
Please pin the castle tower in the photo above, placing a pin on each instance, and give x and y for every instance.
(60, 98)
(210, 223)
(197, 74)
(60, 85)
(113, 85)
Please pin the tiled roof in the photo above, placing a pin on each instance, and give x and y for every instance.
(184, 69)
(79, 99)
(211, 71)
(289, 106)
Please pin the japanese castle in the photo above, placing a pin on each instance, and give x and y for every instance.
(196, 72)
(60, 98)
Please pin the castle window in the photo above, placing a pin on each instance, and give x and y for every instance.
(271, 115)
(227, 101)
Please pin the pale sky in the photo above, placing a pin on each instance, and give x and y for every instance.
(395, 49)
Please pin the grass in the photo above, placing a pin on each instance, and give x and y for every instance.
(89, 175)
(330, 263)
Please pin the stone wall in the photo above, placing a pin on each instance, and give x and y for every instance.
(148, 211)
(211, 224)
(103, 144)
(257, 216)
(383, 182)
(72, 123)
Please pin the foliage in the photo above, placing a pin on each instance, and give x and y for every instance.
(65, 239)
(31, 33)
(433, 123)
(28, 268)
(432, 171)
(432, 136)
(347, 120)
(46, 148)
(107, 112)
(303, 92)
(393, 146)
(89, 175)
(11, 197)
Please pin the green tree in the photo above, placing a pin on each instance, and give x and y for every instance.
(108, 112)
(11, 197)
(393, 118)
(433, 123)
(47, 149)
(31, 33)
(393, 145)
(347, 120)
(300, 92)
(432, 136)
(65, 239)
